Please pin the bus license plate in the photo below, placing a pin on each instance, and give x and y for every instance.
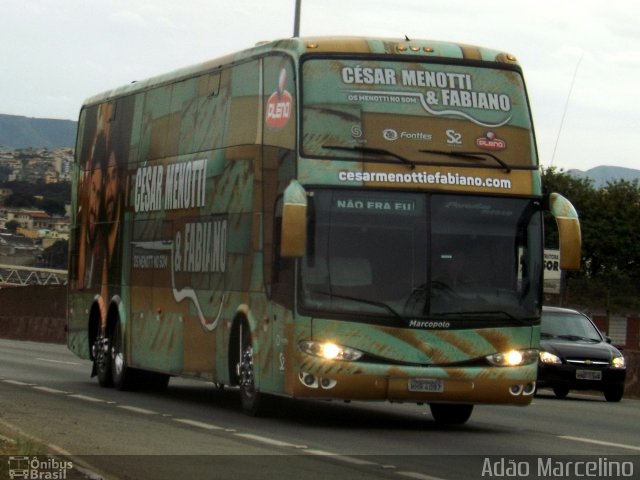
(588, 375)
(431, 385)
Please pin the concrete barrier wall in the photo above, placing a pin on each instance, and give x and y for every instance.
(36, 313)
(35, 329)
(632, 388)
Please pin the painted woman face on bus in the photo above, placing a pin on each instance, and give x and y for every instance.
(95, 199)
(112, 190)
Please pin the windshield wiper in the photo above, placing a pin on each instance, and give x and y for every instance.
(576, 337)
(360, 300)
(371, 150)
(470, 156)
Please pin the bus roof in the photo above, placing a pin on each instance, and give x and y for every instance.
(336, 44)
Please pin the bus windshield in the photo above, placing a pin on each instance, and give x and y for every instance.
(417, 255)
(424, 112)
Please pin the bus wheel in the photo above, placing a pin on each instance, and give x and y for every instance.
(102, 361)
(120, 373)
(250, 397)
(450, 414)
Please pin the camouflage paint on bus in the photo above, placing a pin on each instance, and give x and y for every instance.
(175, 179)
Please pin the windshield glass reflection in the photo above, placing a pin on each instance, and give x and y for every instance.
(415, 255)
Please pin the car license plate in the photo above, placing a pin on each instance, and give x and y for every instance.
(431, 385)
(588, 375)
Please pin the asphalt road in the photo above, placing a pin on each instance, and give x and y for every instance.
(194, 430)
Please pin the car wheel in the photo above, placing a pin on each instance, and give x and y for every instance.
(614, 394)
(450, 414)
(561, 392)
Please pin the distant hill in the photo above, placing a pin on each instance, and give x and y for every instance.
(603, 174)
(23, 132)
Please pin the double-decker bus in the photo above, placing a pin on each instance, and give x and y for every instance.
(327, 218)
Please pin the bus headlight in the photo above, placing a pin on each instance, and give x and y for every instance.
(513, 358)
(330, 351)
(549, 358)
(618, 362)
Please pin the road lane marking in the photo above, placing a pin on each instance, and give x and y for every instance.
(48, 389)
(600, 442)
(18, 382)
(49, 360)
(343, 458)
(195, 423)
(87, 398)
(419, 476)
(267, 440)
(137, 409)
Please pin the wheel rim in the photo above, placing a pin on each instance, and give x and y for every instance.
(116, 353)
(100, 354)
(118, 362)
(247, 374)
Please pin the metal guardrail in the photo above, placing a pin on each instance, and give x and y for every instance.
(19, 276)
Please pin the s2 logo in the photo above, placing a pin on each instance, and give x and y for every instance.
(453, 137)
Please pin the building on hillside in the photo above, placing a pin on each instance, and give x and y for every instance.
(27, 218)
(5, 193)
(52, 237)
(18, 250)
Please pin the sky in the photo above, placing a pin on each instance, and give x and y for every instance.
(581, 58)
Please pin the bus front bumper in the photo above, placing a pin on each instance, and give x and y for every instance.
(491, 385)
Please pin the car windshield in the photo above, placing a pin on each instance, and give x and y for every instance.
(569, 326)
(415, 255)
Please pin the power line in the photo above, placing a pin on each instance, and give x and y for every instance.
(566, 106)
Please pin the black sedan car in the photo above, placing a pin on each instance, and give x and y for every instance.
(575, 356)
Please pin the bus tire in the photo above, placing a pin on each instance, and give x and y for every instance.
(450, 413)
(102, 360)
(250, 397)
(120, 373)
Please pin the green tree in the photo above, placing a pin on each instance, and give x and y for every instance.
(19, 199)
(617, 244)
(51, 206)
(610, 224)
(12, 226)
(56, 255)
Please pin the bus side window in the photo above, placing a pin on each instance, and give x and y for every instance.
(282, 278)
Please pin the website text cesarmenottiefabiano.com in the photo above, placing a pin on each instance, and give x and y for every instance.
(423, 178)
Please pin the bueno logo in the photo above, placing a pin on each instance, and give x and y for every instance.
(280, 104)
(490, 142)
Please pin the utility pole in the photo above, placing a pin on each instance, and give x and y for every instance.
(296, 21)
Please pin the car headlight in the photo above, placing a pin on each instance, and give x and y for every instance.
(330, 351)
(618, 362)
(549, 358)
(513, 358)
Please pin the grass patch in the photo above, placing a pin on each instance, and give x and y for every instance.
(20, 446)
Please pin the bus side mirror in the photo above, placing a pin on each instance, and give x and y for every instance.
(293, 237)
(569, 231)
